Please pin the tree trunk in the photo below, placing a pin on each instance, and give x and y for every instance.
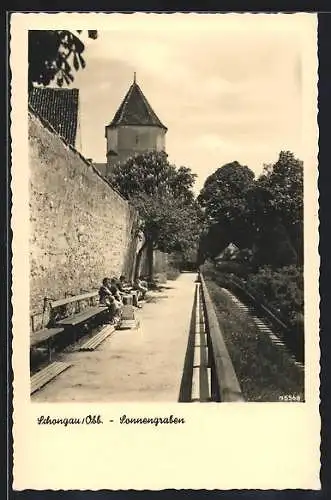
(150, 259)
(138, 260)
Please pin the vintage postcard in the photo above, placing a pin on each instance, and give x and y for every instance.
(165, 251)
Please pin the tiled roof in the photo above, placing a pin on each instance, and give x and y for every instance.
(136, 110)
(59, 107)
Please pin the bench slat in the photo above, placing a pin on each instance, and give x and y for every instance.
(47, 374)
(43, 335)
(42, 374)
(75, 298)
(92, 343)
(76, 319)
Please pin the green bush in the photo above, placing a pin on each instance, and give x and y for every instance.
(237, 268)
(282, 289)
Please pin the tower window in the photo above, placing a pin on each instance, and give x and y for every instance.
(137, 139)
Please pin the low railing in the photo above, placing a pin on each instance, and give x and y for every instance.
(224, 383)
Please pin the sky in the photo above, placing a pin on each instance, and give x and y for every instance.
(228, 87)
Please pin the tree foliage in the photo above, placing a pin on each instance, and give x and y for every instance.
(282, 184)
(265, 215)
(277, 209)
(54, 55)
(152, 174)
(169, 223)
(272, 209)
(278, 192)
(213, 239)
(163, 196)
(224, 193)
(282, 289)
(224, 199)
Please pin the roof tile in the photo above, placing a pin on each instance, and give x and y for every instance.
(59, 107)
(136, 110)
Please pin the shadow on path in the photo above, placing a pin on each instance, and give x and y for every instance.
(195, 383)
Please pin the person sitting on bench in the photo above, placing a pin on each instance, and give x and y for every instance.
(139, 285)
(107, 298)
(113, 287)
(123, 285)
(120, 283)
(144, 281)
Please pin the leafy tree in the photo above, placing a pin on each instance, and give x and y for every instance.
(213, 240)
(273, 246)
(265, 215)
(224, 199)
(277, 206)
(151, 173)
(54, 55)
(283, 185)
(224, 192)
(163, 196)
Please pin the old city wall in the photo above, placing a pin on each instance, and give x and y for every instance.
(81, 229)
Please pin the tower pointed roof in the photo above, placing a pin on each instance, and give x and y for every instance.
(136, 110)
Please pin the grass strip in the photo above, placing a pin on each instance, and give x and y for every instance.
(265, 372)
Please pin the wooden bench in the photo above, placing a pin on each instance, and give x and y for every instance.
(45, 336)
(78, 317)
(41, 378)
(96, 340)
(57, 326)
(60, 323)
(82, 317)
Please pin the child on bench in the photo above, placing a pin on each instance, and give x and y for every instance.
(107, 298)
(141, 286)
(123, 285)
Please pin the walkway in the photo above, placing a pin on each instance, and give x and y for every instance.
(145, 364)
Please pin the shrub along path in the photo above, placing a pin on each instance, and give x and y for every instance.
(265, 372)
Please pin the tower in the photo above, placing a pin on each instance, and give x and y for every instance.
(134, 129)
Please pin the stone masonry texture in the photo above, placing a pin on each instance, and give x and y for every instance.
(81, 230)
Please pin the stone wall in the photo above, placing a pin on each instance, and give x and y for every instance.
(160, 264)
(81, 229)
